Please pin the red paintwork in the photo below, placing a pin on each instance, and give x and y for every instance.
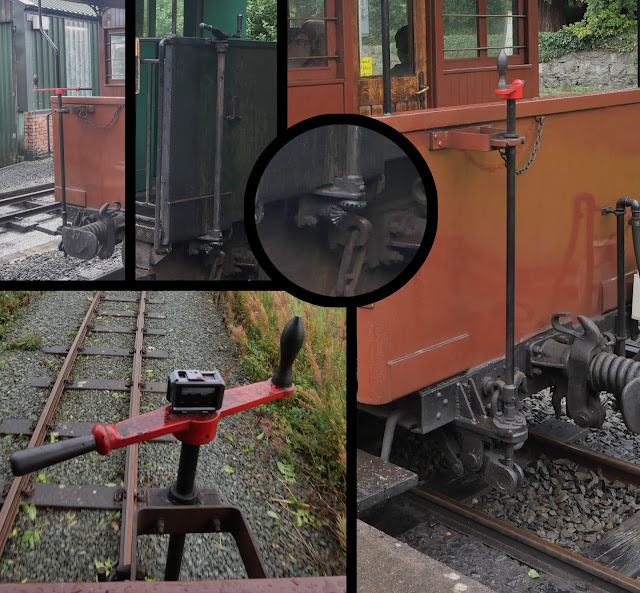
(191, 429)
(514, 90)
(94, 159)
(450, 316)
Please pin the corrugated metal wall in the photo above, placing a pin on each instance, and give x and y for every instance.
(77, 43)
(7, 97)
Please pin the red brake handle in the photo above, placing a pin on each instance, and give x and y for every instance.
(61, 91)
(191, 429)
(514, 90)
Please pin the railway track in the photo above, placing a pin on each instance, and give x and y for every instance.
(139, 326)
(610, 565)
(15, 220)
(96, 496)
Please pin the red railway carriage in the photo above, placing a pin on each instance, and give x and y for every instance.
(90, 165)
(437, 353)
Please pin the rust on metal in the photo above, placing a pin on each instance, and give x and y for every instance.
(480, 138)
(129, 506)
(99, 351)
(286, 585)
(612, 468)
(12, 502)
(203, 519)
(470, 516)
(65, 496)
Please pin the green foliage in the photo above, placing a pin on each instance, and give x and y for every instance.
(261, 20)
(313, 421)
(607, 24)
(163, 18)
(10, 303)
(30, 509)
(28, 342)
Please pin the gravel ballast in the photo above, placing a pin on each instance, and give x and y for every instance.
(26, 174)
(240, 462)
(53, 265)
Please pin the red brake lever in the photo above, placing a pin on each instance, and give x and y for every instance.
(192, 429)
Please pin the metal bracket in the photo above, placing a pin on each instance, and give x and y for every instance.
(480, 138)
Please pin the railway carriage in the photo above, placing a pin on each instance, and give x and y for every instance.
(438, 352)
(206, 109)
(88, 133)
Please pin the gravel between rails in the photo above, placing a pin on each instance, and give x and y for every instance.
(26, 175)
(242, 466)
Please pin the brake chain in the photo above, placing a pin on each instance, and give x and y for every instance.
(534, 151)
(82, 114)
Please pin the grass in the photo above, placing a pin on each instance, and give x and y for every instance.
(313, 422)
(10, 303)
(545, 91)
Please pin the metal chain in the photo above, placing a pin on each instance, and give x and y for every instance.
(536, 146)
(82, 114)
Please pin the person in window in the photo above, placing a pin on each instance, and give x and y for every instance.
(315, 31)
(404, 53)
(299, 47)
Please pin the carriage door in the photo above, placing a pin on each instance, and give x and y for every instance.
(407, 32)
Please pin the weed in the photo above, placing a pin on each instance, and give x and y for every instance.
(42, 479)
(31, 536)
(108, 565)
(30, 509)
(6, 564)
(28, 342)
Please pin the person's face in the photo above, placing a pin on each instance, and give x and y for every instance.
(403, 56)
(300, 47)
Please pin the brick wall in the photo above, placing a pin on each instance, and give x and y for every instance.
(35, 135)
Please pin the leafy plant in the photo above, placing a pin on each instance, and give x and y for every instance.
(28, 342)
(42, 479)
(108, 565)
(30, 509)
(287, 471)
(31, 536)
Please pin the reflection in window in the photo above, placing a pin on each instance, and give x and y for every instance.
(400, 32)
(115, 57)
(307, 34)
(460, 29)
(502, 31)
(465, 25)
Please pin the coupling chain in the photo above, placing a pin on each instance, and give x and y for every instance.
(534, 151)
(82, 114)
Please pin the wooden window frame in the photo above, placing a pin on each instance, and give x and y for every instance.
(108, 33)
(331, 70)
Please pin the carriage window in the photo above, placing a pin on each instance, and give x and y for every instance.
(478, 30)
(307, 34)
(401, 37)
(114, 53)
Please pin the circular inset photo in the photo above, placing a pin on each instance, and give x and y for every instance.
(342, 210)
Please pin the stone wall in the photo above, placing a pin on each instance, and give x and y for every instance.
(600, 69)
(35, 134)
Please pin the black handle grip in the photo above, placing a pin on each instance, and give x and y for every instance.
(290, 344)
(29, 460)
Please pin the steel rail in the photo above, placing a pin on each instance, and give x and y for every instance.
(12, 501)
(612, 468)
(522, 545)
(30, 192)
(129, 503)
(37, 193)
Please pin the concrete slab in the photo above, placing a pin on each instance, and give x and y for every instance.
(386, 564)
(50, 245)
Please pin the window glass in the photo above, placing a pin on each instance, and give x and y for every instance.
(502, 31)
(116, 53)
(460, 29)
(400, 33)
(307, 34)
